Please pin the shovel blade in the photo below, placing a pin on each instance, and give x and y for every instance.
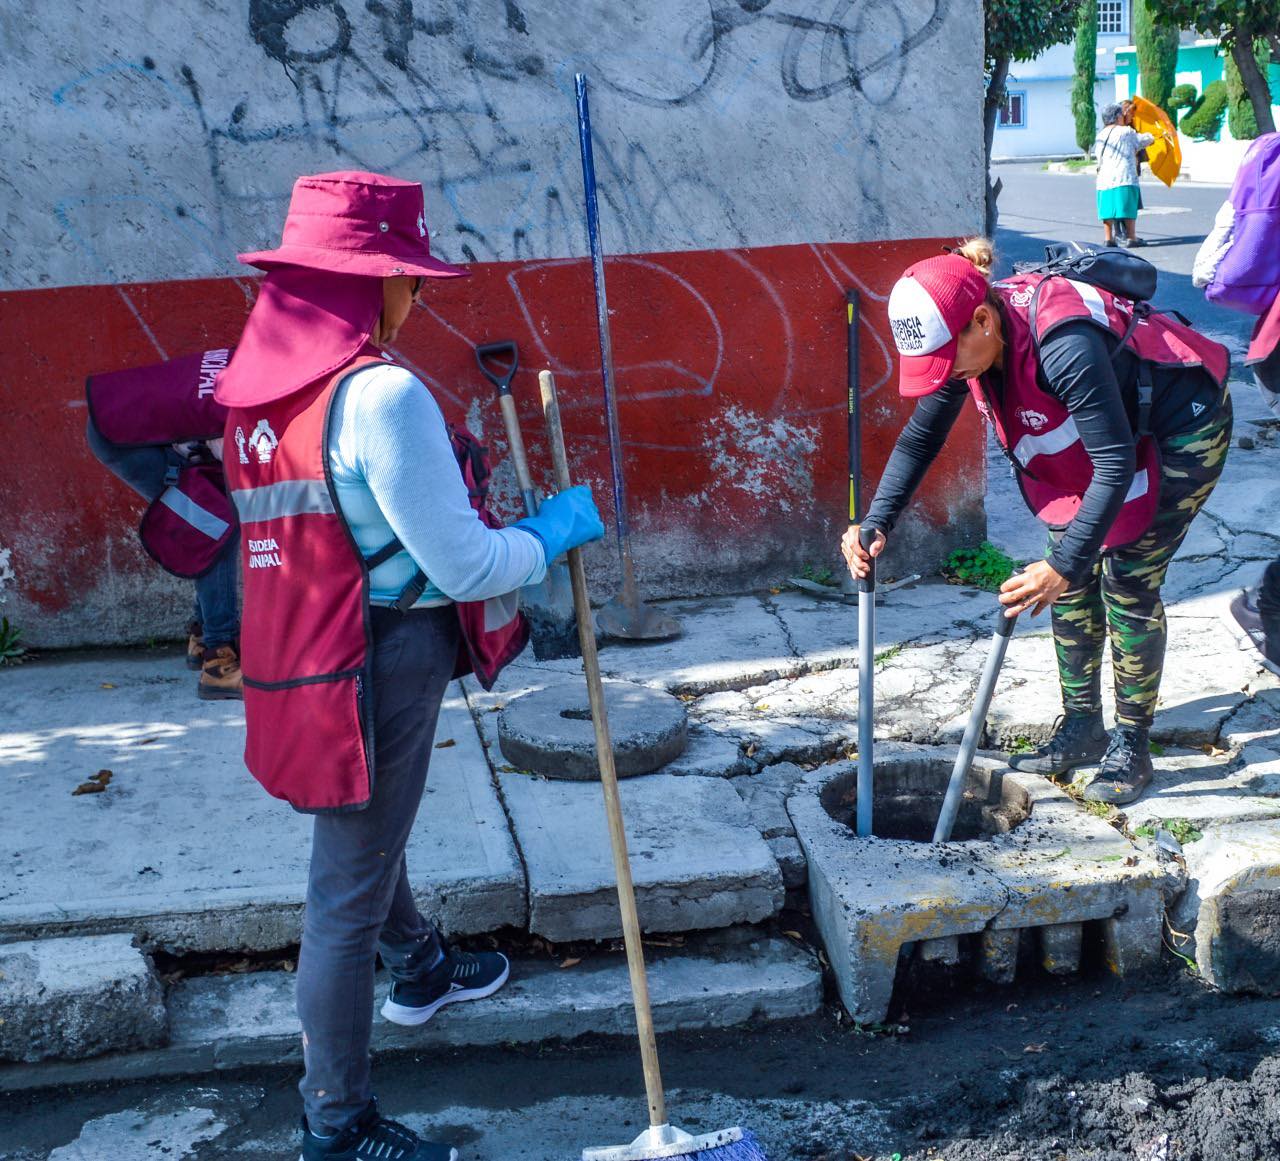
(634, 621)
(553, 625)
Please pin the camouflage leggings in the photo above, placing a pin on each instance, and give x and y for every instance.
(1122, 593)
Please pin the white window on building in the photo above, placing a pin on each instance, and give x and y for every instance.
(1013, 113)
(1113, 17)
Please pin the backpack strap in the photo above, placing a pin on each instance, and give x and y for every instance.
(417, 583)
(1146, 385)
(384, 554)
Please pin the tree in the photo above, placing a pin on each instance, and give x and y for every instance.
(1240, 114)
(1237, 24)
(1017, 30)
(1157, 46)
(1086, 62)
(1205, 119)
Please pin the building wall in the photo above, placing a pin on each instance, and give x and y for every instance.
(1047, 80)
(750, 169)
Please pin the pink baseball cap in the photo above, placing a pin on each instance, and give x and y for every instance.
(356, 223)
(929, 306)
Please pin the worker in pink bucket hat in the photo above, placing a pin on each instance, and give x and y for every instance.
(373, 576)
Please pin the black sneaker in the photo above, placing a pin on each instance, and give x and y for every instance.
(1263, 632)
(461, 975)
(372, 1138)
(1078, 740)
(1126, 768)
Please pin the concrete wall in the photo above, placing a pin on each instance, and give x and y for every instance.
(752, 165)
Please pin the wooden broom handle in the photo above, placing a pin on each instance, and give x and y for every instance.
(608, 778)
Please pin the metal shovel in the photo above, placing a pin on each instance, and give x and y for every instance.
(626, 616)
(548, 605)
(973, 731)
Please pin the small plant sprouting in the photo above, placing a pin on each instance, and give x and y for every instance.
(1021, 744)
(1182, 829)
(818, 574)
(12, 651)
(887, 655)
(985, 567)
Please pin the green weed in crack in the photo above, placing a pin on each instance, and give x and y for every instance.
(12, 651)
(1182, 829)
(985, 567)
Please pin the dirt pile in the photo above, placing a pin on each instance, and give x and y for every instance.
(1133, 1117)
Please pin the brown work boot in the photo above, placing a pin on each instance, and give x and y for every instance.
(195, 645)
(220, 675)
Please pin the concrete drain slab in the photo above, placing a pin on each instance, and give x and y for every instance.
(1028, 858)
(697, 859)
(550, 730)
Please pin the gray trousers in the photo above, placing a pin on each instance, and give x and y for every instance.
(358, 896)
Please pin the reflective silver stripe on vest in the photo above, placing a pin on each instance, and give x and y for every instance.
(201, 519)
(1139, 486)
(287, 498)
(1093, 300)
(1050, 443)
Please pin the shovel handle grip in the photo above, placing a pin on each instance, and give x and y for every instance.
(510, 419)
(506, 349)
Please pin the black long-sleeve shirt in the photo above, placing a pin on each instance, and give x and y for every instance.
(1102, 397)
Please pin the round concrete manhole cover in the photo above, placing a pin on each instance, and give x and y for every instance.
(549, 731)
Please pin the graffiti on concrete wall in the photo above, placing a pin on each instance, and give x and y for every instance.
(752, 169)
(720, 123)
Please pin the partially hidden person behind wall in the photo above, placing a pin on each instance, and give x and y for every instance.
(371, 580)
(1072, 386)
(157, 429)
(1119, 195)
(1238, 266)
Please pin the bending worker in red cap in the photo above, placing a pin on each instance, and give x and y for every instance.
(368, 577)
(1117, 433)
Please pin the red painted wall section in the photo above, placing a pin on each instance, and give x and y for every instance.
(731, 374)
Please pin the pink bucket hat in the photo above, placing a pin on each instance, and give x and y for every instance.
(356, 223)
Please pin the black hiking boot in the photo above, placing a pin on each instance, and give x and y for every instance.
(461, 975)
(1078, 740)
(1262, 629)
(372, 1138)
(1126, 768)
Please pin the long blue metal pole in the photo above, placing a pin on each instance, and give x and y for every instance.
(602, 315)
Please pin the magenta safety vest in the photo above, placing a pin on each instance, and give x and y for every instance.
(306, 645)
(1035, 428)
(188, 527)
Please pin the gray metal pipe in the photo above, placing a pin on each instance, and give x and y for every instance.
(866, 690)
(973, 731)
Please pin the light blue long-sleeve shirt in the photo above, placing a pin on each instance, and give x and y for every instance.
(395, 474)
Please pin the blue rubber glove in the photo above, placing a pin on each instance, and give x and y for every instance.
(564, 521)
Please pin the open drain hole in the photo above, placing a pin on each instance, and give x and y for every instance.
(576, 715)
(908, 799)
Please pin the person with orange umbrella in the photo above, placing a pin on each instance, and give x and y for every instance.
(1118, 196)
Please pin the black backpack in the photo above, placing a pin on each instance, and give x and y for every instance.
(1106, 267)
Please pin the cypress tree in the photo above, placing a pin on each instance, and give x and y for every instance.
(1157, 47)
(1086, 68)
